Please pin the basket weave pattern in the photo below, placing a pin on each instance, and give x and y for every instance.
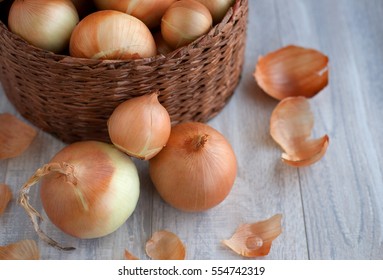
(72, 98)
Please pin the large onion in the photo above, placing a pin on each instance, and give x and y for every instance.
(196, 169)
(88, 190)
(44, 24)
(111, 35)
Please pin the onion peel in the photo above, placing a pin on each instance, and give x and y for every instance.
(165, 245)
(22, 250)
(292, 71)
(129, 256)
(255, 239)
(15, 136)
(291, 124)
(5, 197)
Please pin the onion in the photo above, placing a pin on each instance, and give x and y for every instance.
(196, 169)
(44, 24)
(88, 190)
(184, 22)
(217, 8)
(111, 35)
(140, 126)
(149, 11)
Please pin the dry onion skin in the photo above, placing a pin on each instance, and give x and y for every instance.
(165, 245)
(15, 136)
(44, 24)
(140, 126)
(88, 190)
(185, 21)
(5, 197)
(129, 256)
(196, 169)
(291, 124)
(112, 35)
(22, 250)
(255, 239)
(149, 12)
(292, 71)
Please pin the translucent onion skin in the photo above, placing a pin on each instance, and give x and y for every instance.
(104, 197)
(149, 12)
(184, 22)
(140, 126)
(196, 169)
(112, 35)
(45, 24)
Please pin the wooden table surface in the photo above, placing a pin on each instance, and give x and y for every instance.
(331, 210)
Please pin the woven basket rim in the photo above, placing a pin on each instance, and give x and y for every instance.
(67, 59)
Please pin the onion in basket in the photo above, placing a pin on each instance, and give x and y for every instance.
(184, 22)
(112, 35)
(44, 24)
(149, 11)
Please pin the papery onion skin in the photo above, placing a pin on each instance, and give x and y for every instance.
(217, 8)
(21, 250)
(196, 169)
(5, 197)
(165, 245)
(185, 21)
(149, 12)
(44, 24)
(140, 126)
(112, 35)
(15, 136)
(104, 197)
(291, 125)
(292, 71)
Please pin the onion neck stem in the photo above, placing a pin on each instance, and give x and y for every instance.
(199, 141)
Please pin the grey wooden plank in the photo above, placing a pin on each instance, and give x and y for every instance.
(342, 194)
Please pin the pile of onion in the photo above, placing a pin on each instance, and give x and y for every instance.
(88, 190)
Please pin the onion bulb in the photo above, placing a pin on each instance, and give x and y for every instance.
(44, 24)
(184, 22)
(111, 35)
(217, 8)
(148, 11)
(196, 169)
(140, 126)
(88, 190)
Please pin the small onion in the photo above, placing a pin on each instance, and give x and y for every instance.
(196, 169)
(111, 35)
(44, 24)
(184, 22)
(140, 126)
(149, 11)
(88, 190)
(217, 8)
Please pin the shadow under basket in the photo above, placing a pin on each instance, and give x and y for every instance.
(72, 98)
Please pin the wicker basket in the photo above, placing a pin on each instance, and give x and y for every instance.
(72, 98)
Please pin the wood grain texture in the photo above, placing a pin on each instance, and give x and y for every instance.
(331, 210)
